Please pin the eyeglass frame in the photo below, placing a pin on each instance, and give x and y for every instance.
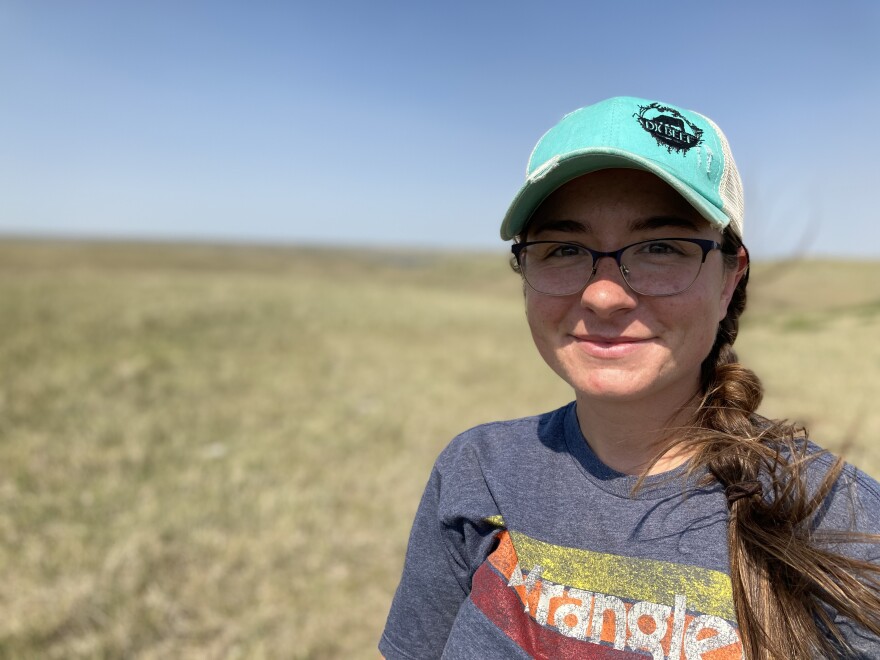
(706, 245)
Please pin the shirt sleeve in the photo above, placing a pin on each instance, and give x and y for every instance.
(451, 536)
(855, 505)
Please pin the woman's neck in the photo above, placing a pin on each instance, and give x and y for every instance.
(627, 437)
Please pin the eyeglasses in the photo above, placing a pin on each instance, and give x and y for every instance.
(659, 267)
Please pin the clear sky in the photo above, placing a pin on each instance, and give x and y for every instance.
(410, 123)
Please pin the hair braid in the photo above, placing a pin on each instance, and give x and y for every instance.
(782, 579)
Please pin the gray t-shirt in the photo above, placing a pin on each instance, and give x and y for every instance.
(526, 545)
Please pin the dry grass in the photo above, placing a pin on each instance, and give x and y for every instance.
(217, 451)
(813, 335)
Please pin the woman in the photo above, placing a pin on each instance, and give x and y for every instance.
(657, 515)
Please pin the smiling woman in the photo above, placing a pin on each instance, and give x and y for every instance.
(658, 514)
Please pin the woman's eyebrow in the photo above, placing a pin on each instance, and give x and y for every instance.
(663, 221)
(642, 224)
(566, 226)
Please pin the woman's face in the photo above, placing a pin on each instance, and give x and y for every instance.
(608, 342)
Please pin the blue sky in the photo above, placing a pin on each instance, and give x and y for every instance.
(410, 123)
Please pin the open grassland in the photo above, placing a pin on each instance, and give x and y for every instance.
(217, 451)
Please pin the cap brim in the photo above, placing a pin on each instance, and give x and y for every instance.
(578, 163)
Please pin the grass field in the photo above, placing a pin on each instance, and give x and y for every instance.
(217, 451)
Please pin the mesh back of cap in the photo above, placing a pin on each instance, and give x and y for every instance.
(730, 187)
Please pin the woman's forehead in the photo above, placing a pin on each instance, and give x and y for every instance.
(631, 200)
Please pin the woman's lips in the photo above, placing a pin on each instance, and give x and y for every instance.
(609, 347)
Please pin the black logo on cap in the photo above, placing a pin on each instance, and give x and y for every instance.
(669, 127)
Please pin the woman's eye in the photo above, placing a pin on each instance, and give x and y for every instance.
(565, 251)
(659, 248)
(663, 247)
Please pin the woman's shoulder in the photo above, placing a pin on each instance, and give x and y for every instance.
(850, 476)
(853, 499)
(802, 456)
(502, 440)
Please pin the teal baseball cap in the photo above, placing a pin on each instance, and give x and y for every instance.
(685, 149)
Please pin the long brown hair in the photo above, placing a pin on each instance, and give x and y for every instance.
(784, 575)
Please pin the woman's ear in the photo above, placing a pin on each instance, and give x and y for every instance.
(732, 277)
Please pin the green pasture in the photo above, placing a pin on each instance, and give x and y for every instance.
(216, 451)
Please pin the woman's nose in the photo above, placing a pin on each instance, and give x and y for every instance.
(607, 292)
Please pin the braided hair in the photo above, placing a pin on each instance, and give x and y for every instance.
(784, 578)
